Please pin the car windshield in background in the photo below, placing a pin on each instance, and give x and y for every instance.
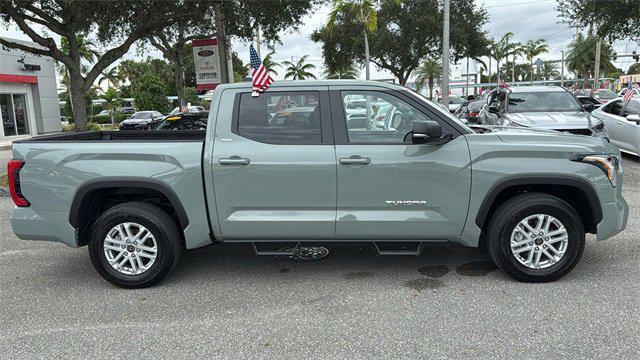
(141, 115)
(184, 122)
(455, 100)
(543, 101)
(607, 94)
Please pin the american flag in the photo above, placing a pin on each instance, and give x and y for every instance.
(260, 77)
(629, 94)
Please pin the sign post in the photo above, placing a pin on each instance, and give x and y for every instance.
(207, 63)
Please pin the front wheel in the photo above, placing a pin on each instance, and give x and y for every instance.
(536, 237)
(134, 245)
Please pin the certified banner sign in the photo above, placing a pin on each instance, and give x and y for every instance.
(207, 60)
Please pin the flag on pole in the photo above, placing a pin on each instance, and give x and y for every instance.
(260, 77)
(629, 94)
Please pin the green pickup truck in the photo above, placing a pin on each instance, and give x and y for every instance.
(295, 167)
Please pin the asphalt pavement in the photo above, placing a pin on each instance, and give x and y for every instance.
(5, 156)
(450, 302)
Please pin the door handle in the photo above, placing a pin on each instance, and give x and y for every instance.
(234, 160)
(619, 122)
(355, 160)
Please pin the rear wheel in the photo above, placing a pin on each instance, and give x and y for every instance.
(134, 245)
(536, 237)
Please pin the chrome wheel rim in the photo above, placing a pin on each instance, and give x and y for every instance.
(539, 241)
(130, 248)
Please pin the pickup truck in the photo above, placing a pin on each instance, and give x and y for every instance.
(287, 168)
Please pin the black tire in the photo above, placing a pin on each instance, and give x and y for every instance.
(158, 222)
(509, 214)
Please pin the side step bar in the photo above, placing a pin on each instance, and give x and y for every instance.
(398, 248)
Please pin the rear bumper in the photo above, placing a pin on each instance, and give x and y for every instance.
(614, 218)
(31, 224)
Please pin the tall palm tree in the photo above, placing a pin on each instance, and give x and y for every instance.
(111, 76)
(427, 73)
(533, 48)
(112, 101)
(269, 63)
(581, 56)
(299, 70)
(366, 16)
(347, 72)
(549, 71)
(502, 50)
(515, 52)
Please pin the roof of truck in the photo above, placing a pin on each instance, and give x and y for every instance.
(540, 88)
(286, 83)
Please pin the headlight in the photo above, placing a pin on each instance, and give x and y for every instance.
(610, 164)
(598, 125)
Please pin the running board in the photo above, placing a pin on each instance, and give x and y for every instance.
(275, 248)
(398, 248)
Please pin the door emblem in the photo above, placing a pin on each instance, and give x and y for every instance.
(406, 203)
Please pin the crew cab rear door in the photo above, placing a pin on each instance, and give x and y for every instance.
(389, 188)
(274, 166)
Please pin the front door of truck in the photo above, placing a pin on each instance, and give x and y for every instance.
(389, 188)
(274, 167)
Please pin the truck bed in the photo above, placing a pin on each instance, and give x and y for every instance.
(129, 135)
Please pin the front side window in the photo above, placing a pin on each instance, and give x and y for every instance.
(543, 101)
(280, 118)
(633, 108)
(383, 119)
(614, 108)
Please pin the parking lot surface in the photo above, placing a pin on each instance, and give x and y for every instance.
(450, 302)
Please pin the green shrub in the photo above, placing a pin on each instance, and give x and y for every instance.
(150, 95)
(90, 127)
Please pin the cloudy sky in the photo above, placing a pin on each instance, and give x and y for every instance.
(527, 19)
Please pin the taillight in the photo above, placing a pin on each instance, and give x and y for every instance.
(472, 114)
(14, 168)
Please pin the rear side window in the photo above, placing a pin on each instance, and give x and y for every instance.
(614, 108)
(280, 118)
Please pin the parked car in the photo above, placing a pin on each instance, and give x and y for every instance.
(455, 102)
(190, 109)
(138, 199)
(622, 120)
(184, 121)
(64, 121)
(604, 95)
(636, 91)
(105, 113)
(142, 120)
(540, 107)
(469, 111)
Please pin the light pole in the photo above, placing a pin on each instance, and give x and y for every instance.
(562, 69)
(445, 54)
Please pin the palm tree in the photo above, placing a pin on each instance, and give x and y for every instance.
(502, 49)
(269, 63)
(548, 71)
(515, 52)
(531, 49)
(299, 70)
(112, 101)
(582, 53)
(366, 16)
(350, 71)
(428, 72)
(112, 77)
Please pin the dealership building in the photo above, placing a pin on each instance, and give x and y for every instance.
(28, 93)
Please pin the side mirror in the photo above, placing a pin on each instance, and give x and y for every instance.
(424, 130)
(589, 107)
(633, 117)
(494, 107)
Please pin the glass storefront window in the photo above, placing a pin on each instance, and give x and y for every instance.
(13, 112)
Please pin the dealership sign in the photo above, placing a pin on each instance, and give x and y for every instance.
(207, 61)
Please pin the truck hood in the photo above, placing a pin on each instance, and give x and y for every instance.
(551, 120)
(537, 137)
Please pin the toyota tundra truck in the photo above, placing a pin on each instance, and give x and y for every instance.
(289, 167)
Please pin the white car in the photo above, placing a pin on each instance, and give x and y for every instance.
(636, 91)
(190, 109)
(622, 121)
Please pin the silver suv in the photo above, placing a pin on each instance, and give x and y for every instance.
(540, 107)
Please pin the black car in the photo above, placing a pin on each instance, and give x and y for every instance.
(590, 103)
(142, 120)
(184, 121)
(469, 111)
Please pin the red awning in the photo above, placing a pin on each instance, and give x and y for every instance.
(19, 78)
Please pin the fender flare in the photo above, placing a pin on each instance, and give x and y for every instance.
(565, 180)
(120, 182)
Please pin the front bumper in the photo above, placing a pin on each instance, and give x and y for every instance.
(614, 218)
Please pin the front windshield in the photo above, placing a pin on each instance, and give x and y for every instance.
(141, 115)
(441, 109)
(455, 100)
(542, 101)
(607, 94)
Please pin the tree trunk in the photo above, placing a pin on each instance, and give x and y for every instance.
(513, 69)
(112, 111)
(531, 70)
(222, 44)
(430, 88)
(585, 75)
(366, 53)
(76, 84)
(179, 79)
